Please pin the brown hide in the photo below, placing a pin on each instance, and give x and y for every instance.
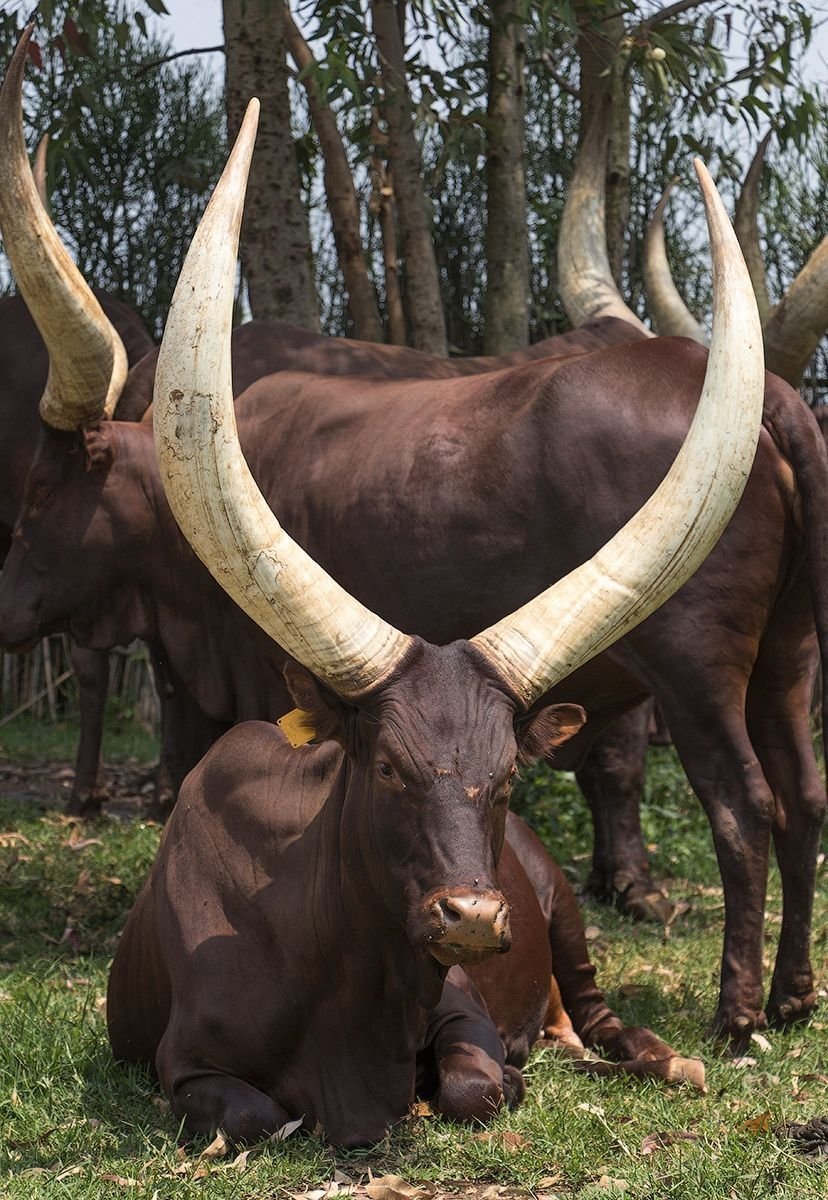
(443, 505)
(270, 968)
(24, 365)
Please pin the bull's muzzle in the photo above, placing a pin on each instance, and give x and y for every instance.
(466, 925)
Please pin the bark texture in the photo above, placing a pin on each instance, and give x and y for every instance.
(507, 254)
(340, 193)
(425, 311)
(275, 247)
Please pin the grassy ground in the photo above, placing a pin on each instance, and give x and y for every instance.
(73, 1125)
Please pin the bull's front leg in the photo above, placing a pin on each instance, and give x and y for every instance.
(211, 1102)
(612, 781)
(91, 669)
(465, 1076)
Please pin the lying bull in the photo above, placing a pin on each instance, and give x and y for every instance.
(294, 887)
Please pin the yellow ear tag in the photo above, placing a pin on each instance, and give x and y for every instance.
(296, 726)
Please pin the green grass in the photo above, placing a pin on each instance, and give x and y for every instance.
(26, 739)
(73, 1125)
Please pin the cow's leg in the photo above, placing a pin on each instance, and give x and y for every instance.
(92, 672)
(612, 780)
(778, 719)
(472, 1079)
(186, 735)
(211, 1102)
(722, 766)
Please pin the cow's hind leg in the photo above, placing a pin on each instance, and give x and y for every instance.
(470, 1080)
(724, 771)
(778, 717)
(208, 1103)
(612, 781)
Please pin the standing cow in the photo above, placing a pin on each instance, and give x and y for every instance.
(298, 889)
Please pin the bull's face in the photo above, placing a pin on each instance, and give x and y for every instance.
(433, 753)
(62, 569)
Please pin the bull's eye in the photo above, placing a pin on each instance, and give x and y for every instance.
(386, 770)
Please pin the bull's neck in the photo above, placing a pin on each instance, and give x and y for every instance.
(376, 933)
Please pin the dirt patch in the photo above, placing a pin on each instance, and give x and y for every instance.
(129, 786)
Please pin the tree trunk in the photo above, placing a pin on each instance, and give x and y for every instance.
(275, 248)
(340, 192)
(604, 82)
(507, 251)
(382, 205)
(425, 310)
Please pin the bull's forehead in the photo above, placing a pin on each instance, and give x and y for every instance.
(447, 714)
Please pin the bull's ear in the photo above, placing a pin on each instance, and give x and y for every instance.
(327, 714)
(538, 736)
(100, 452)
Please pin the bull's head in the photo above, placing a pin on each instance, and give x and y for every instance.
(430, 732)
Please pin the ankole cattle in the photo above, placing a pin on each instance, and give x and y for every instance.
(24, 366)
(295, 886)
(444, 504)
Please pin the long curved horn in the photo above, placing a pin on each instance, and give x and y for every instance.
(209, 487)
(87, 360)
(667, 539)
(39, 171)
(794, 328)
(671, 316)
(585, 280)
(746, 224)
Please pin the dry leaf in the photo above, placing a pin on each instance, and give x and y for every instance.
(760, 1124)
(421, 1108)
(761, 1041)
(217, 1148)
(120, 1180)
(240, 1161)
(80, 843)
(13, 839)
(591, 1108)
(392, 1187)
(548, 1181)
(592, 932)
(631, 989)
(660, 1141)
(743, 1061)
(612, 1185)
(69, 1172)
(511, 1142)
(286, 1130)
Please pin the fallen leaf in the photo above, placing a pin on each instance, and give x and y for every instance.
(80, 843)
(760, 1124)
(511, 1142)
(761, 1041)
(392, 1187)
(13, 839)
(548, 1181)
(591, 1108)
(743, 1061)
(120, 1180)
(240, 1161)
(286, 1130)
(612, 1185)
(217, 1148)
(660, 1141)
(631, 989)
(592, 932)
(68, 1173)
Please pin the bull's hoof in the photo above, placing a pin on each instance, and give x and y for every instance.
(87, 803)
(514, 1088)
(737, 1026)
(788, 1010)
(647, 903)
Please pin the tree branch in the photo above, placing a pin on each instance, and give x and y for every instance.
(545, 59)
(159, 62)
(667, 13)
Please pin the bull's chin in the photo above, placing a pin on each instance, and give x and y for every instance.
(19, 645)
(453, 956)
